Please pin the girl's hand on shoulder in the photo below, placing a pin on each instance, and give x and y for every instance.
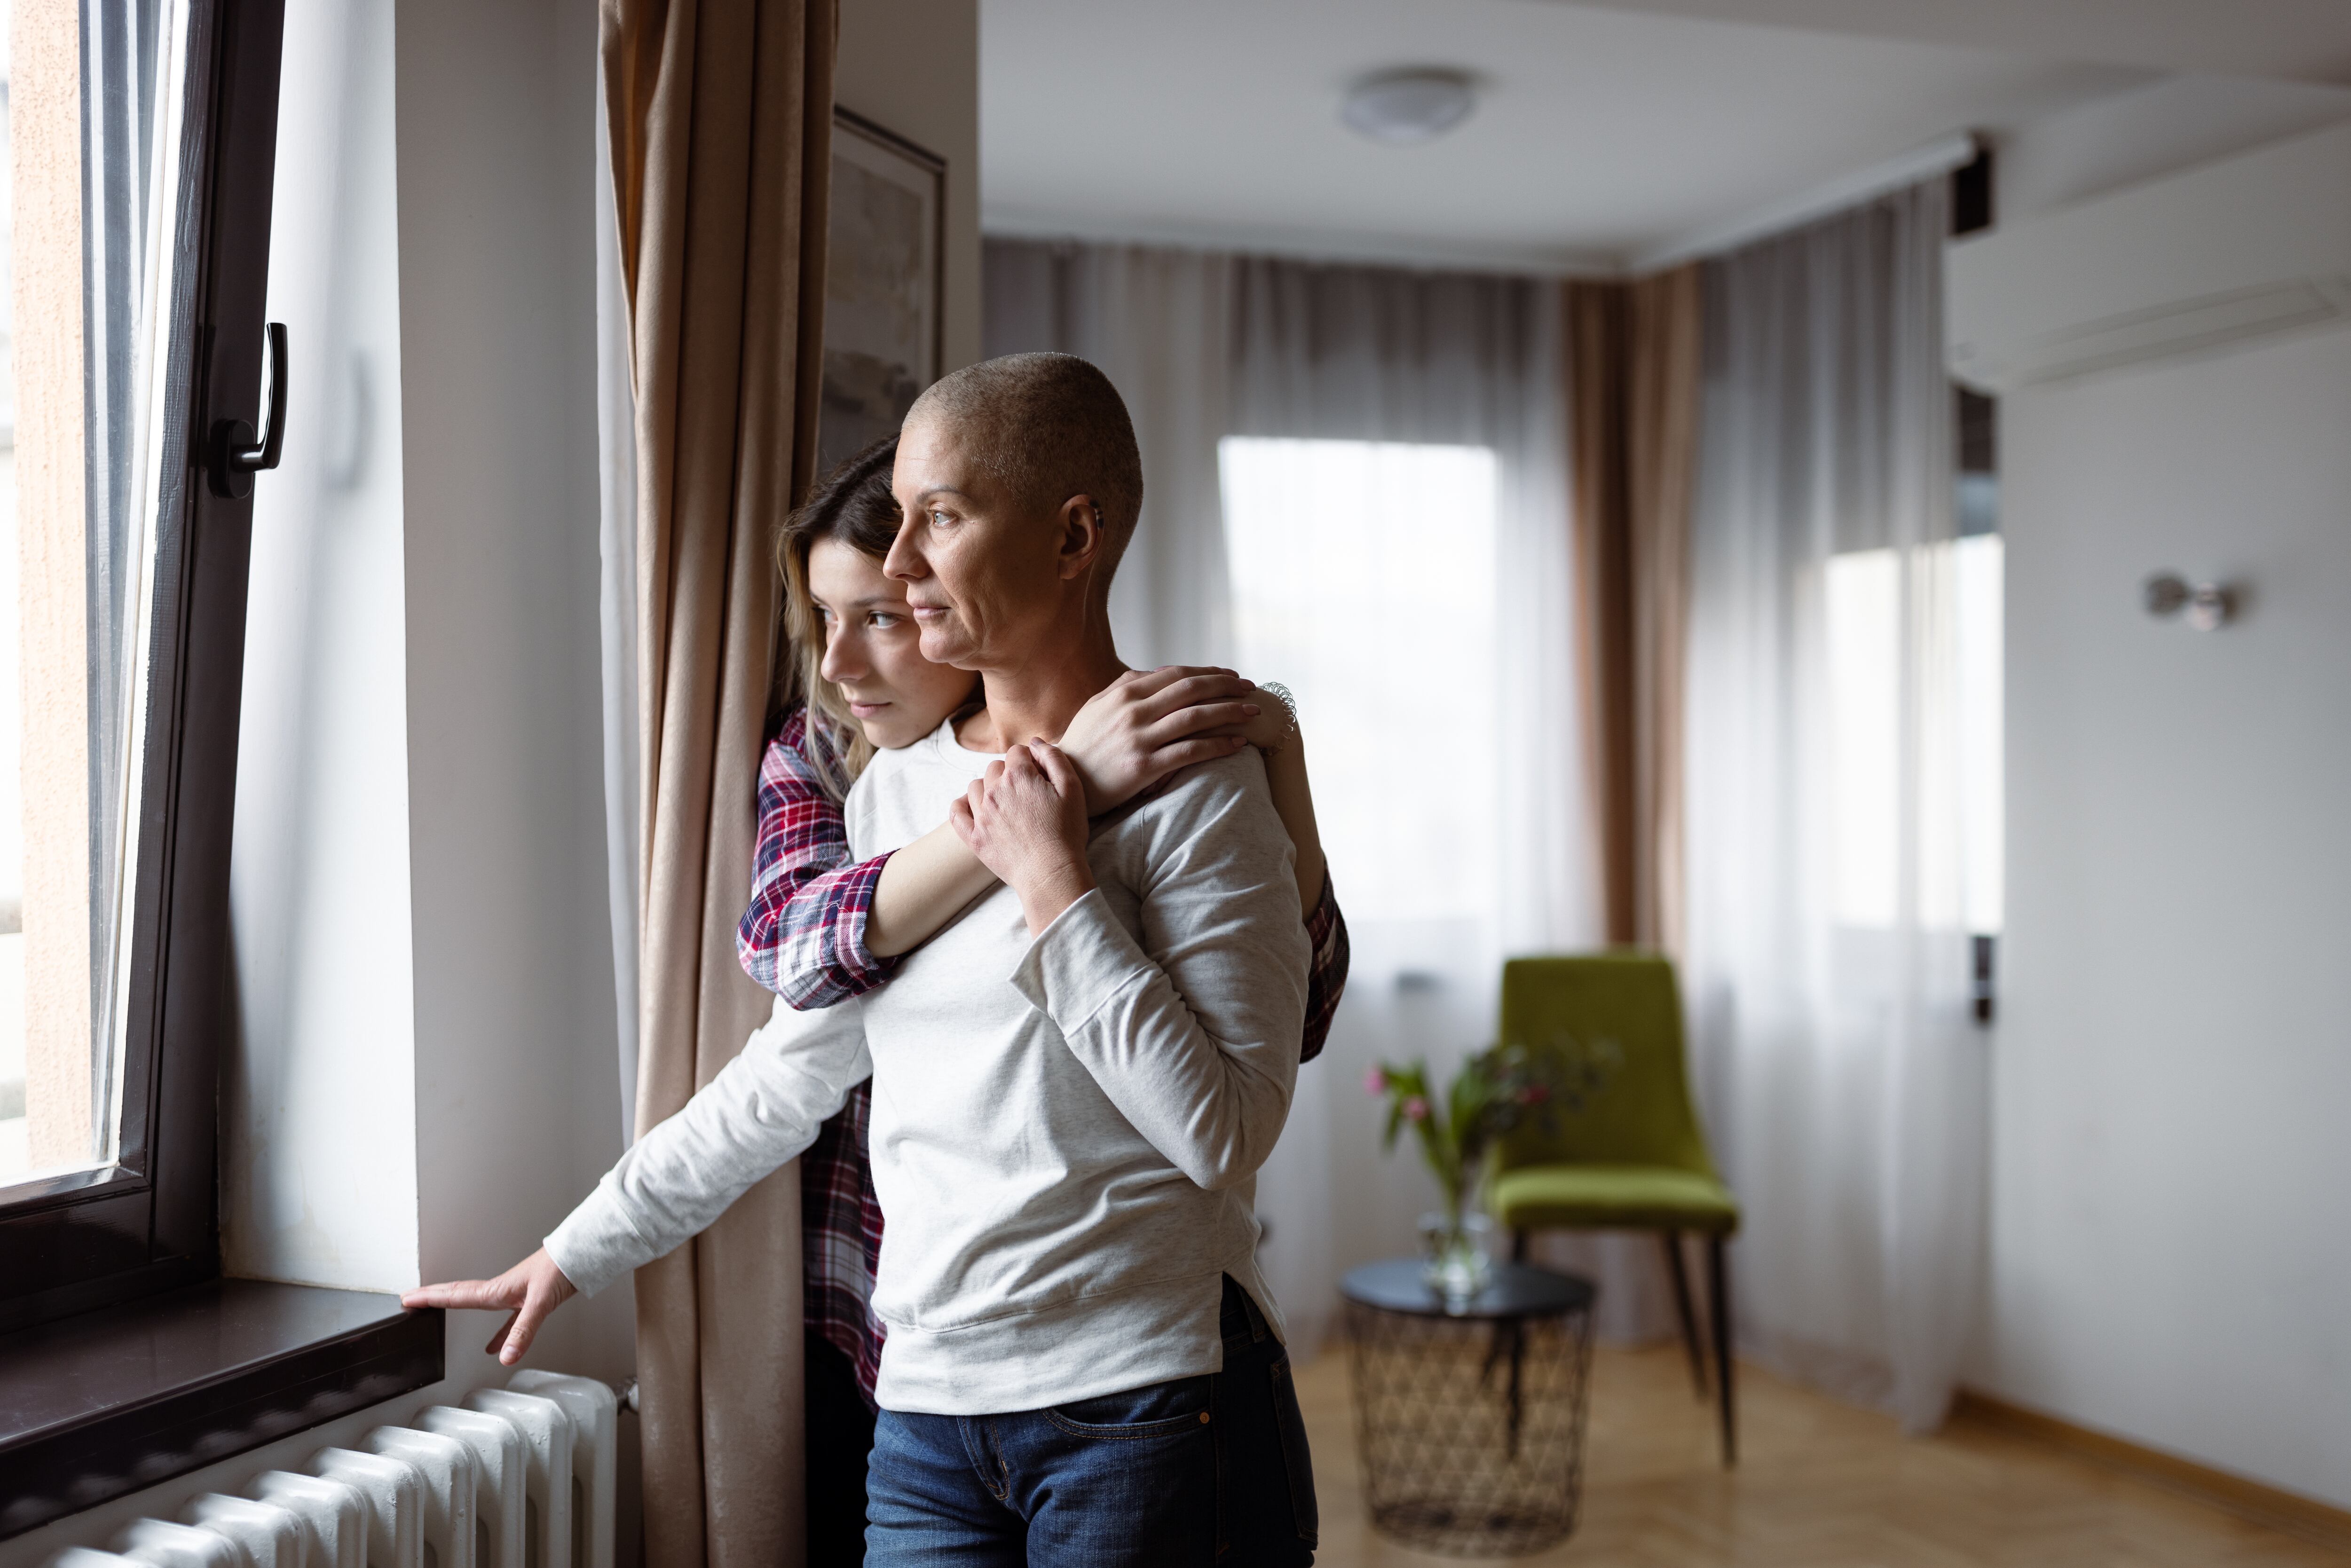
(1147, 723)
(1025, 818)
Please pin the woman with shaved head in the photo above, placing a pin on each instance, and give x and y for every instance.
(1081, 996)
(821, 929)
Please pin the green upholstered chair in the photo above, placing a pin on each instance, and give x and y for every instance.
(1630, 1155)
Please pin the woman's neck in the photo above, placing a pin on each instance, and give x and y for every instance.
(1037, 701)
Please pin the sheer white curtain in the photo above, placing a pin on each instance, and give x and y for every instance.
(1158, 323)
(1828, 965)
(1395, 364)
(1381, 355)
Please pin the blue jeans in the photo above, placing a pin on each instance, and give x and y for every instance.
(1199, 1472)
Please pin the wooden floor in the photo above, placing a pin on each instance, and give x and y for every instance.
(1818, 1485)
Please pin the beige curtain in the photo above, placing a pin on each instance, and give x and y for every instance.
(1633, 372)
(720, 115)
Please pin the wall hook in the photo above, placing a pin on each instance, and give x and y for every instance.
(2206, 606)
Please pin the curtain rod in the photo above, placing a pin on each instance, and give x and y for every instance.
(1328, 249)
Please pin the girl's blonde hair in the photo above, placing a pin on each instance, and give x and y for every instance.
(853, 504)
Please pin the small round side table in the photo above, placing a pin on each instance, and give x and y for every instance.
(1469, 1418)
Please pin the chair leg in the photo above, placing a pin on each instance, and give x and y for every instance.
(1519, 1242)
(1718, 1309)
(1680, 1276)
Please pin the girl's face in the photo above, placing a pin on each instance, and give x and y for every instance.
(872, 649)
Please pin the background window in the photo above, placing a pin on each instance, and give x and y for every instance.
(70, 581)
(141, 142)
(1960, 883)
(1363, 578)
(16, 1150)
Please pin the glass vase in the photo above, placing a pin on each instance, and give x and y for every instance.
(1454, 1259)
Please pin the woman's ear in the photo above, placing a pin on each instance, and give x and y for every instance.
(1082, 535)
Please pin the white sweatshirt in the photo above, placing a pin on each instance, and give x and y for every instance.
(1065, 1133)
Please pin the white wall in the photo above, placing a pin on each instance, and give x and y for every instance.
(913, 66)
(2168, 124)
(426, 1081)
(517, 1099)
(425, 1076)
(319, 1153)
(2168, 1257)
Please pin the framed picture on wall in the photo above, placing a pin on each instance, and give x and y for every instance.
(884, 276)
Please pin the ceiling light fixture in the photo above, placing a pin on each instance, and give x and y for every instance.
(1402, 106)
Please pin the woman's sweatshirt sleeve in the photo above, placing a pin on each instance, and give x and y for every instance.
(1190, 1021)
(762, 1108)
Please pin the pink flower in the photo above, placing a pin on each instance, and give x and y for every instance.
(1417, 1108)
(1375, 1081)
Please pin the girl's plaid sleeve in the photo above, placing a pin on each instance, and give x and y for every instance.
(1326, 974)
(803, 937)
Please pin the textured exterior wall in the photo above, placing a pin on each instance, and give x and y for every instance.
(45, 110)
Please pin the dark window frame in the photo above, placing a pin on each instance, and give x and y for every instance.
(150, 1222)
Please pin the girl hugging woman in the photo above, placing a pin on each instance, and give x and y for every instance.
(822, 929)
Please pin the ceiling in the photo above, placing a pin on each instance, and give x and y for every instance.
(1603, 134)
(2297, 40)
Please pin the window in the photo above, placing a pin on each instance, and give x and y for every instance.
(1363, 579)
(62, 578)
(1866, 591)
(1947, 601)
(137, 242)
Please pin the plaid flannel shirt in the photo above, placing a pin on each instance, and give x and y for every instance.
(803, 937)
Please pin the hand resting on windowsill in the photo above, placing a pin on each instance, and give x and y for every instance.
(531, 1289)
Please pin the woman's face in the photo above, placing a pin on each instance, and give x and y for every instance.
(872, 649)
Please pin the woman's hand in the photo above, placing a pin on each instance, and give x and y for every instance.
(532, 1288)
(1147, 723)
(1026, 820)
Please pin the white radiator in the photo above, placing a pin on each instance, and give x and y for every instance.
(519, 1478)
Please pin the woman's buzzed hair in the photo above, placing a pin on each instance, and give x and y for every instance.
(1047, 426)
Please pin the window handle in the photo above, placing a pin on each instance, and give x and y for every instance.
(235, 455)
